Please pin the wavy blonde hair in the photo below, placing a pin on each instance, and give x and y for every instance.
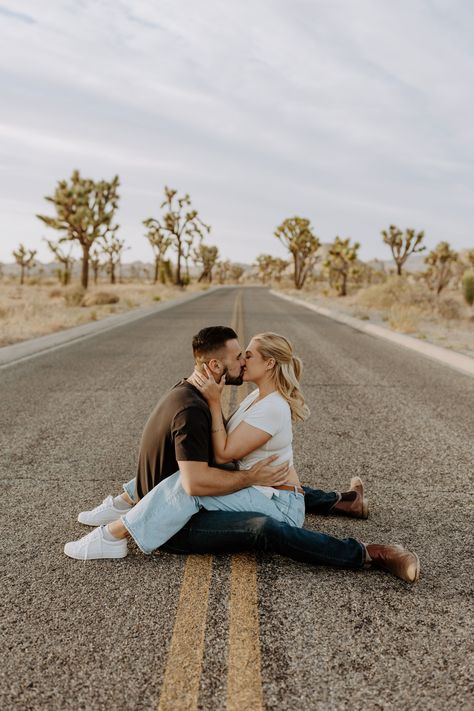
(287, 371)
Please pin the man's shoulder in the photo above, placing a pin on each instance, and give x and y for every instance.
(184, 396)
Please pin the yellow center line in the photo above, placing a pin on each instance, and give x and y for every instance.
(180, 688)
(244, 675)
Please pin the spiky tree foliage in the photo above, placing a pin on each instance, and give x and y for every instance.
(270, 267)
(85, 211)
(207, 256)
(440, 263)
(236, 272)
(265, 265)
(340, 262)
(403, 244)
(278, 267)
(62, 250)
(180, 222)
(160, 242)
(296, 235)
(223, 268)
(25, 258)
(468, 286)
(113, 248)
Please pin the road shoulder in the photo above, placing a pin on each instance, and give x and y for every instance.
(456, 361)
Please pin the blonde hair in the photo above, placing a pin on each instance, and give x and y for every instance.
(287, 371)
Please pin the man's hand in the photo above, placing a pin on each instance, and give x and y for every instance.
(264, 474)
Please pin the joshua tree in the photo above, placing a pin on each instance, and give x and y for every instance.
(402, 245)
(207, 256)
(63, 256)
(440, 266)
(297, 236)
(265, 267)
(187, 255)
(96, 263)
(113, 248)
(236, 272)
(85, 211)
(25, 258)
(179, 223)
(340, 261)
(160, 243)
(223, 268)
(468, 286)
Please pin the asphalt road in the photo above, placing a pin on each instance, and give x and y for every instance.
(96, 635)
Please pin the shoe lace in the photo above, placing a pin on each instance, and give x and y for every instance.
(107, 503)
(87, 540)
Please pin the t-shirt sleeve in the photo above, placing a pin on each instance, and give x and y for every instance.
(190, 434)
(266, 416)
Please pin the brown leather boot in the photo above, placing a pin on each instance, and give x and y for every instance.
(396, 559)
(359, 507)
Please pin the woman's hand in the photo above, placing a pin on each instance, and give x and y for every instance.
(206, 385)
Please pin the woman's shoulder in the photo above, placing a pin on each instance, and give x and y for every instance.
(275, 401)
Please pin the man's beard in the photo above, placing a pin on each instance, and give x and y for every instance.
(233, 379)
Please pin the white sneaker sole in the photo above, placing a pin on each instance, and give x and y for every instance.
(107, 517)
(121, 552)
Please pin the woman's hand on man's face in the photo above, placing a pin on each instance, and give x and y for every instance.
(206, 384)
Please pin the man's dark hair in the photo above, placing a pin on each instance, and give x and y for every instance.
(211, 339)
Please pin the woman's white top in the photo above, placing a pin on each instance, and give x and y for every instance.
(271, 414)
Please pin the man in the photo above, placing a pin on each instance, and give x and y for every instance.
(178, 436)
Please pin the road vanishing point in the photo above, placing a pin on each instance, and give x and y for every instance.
(239, 632)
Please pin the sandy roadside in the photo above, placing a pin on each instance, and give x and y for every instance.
(454, 334)
(35, 310)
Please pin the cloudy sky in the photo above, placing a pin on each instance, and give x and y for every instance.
(353, 113)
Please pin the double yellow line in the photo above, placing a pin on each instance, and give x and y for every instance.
(180, 688)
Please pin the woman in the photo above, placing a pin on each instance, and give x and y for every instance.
(261, 426)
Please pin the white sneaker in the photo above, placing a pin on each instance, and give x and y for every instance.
(103, 514)
(94, 546)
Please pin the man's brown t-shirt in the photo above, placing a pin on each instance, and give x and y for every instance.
(179, 428)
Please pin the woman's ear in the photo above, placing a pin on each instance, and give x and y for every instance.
(270, 363)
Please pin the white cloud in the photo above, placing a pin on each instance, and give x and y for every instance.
(353, 114)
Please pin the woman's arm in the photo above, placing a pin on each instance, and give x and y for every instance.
(243, 440)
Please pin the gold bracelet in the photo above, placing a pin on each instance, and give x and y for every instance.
(220, 429)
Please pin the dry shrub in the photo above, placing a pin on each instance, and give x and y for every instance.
(100, 298)
(404, 318)
(55, 293)
(74, 295)
(398, 291)
(449, 308)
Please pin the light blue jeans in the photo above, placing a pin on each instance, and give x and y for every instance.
(167, 508)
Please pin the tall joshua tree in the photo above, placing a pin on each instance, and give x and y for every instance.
(340, 261)
(297, 236)
(207, 256)
(25, 258)
(180, 222)
(403, 244)
(440, 263)
(85, 211)
(159, 242)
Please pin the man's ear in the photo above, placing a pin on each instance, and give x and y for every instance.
(214, 366)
